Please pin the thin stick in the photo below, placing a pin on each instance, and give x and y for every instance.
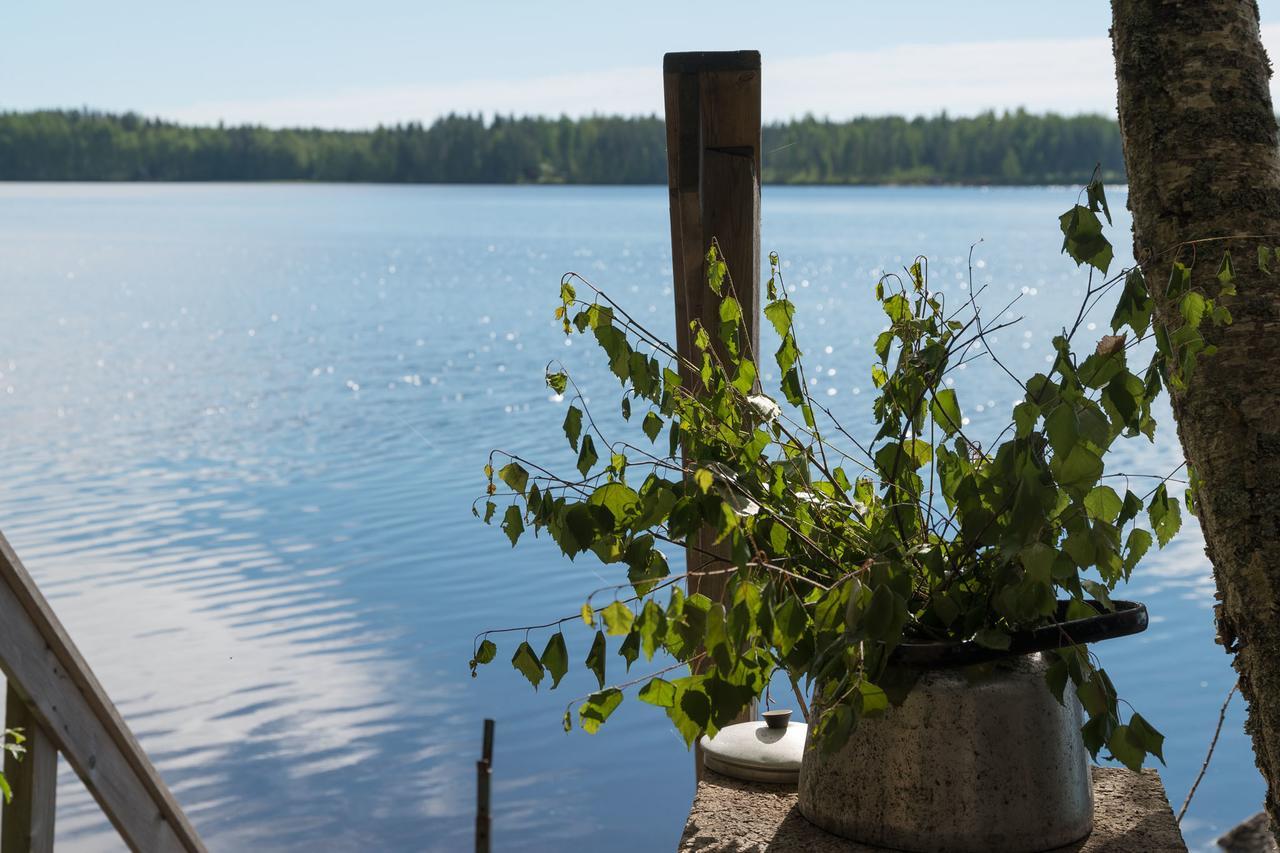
(795, 689)
(484, 772)
(1222, 715)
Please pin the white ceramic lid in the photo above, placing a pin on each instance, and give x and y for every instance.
(756, 752)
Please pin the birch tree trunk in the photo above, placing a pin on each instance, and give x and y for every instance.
(1200, 149)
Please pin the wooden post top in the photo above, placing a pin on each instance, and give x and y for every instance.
(711, 60)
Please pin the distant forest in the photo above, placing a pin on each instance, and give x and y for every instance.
(1009, 148)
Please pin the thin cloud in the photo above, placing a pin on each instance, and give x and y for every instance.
(1060, 75)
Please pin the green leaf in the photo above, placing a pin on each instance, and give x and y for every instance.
(652, 426)
(1099, 592)
(1264, 259)
(779, 314)
(874, 700)
(484, 654)
(630, 648)
(1136, 547)
(883, 342)
(573, 425)
(716, 270)
(621, 501)
(898, 308)
(1056, 676)
(746, 378)
(1226, 276)
(599, 315)
(1192, 308)
(1037, 559)
(658, 692)
(1179, 280)
(1098, 199)
(1124, 749)
(588, 616)
(618, 619)
(513, 523)
(1025, 415)
(946, 410)
(1103, 502)
(1093, 695)
(1165, 515)
(1062, 429)
(730, 311)
(526, 662)
(1100, 368)
(704, 479)
(514, 476)
(653, 627)
(791, 388)
(789, 624)
(555, 658)
(595, 657)
(1135, 304)
(1146, 737)
(879, 613)
(593, 713)
(587, 457)
(1080, 470)
(691, 711)
(1083, 241)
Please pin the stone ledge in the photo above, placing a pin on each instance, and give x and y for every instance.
(1131, 815)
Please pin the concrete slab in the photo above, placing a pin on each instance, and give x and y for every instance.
(1131, 815)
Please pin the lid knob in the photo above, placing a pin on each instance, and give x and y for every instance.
(777, 719)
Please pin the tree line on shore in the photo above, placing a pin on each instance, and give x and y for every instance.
(990, 148)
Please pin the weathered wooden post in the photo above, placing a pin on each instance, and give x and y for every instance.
(713, 175)
(29, 817)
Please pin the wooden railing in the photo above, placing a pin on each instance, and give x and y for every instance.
(61, 708)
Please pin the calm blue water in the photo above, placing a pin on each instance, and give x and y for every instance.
(243, 427)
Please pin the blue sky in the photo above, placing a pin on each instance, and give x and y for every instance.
(341, 64)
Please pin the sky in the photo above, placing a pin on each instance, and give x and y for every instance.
(354, 65)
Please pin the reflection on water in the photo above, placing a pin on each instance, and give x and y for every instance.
(244, 425)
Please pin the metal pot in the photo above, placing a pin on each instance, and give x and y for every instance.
(990, 763)
(967, 764)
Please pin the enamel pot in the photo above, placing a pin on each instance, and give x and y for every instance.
(976, 759)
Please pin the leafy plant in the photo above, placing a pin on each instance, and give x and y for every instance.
(835, 551)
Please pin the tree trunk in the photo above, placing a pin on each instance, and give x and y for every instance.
(1201, 153)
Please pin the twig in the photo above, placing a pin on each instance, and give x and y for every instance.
(795, 688)
(1222, 716)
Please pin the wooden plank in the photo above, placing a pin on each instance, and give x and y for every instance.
(69, 704)
(712, 105)
(29, 817)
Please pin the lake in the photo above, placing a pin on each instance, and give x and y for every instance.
(244, 425)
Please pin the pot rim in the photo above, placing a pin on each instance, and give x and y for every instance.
(1123, 619)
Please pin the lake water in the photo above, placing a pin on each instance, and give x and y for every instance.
(244, 426)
